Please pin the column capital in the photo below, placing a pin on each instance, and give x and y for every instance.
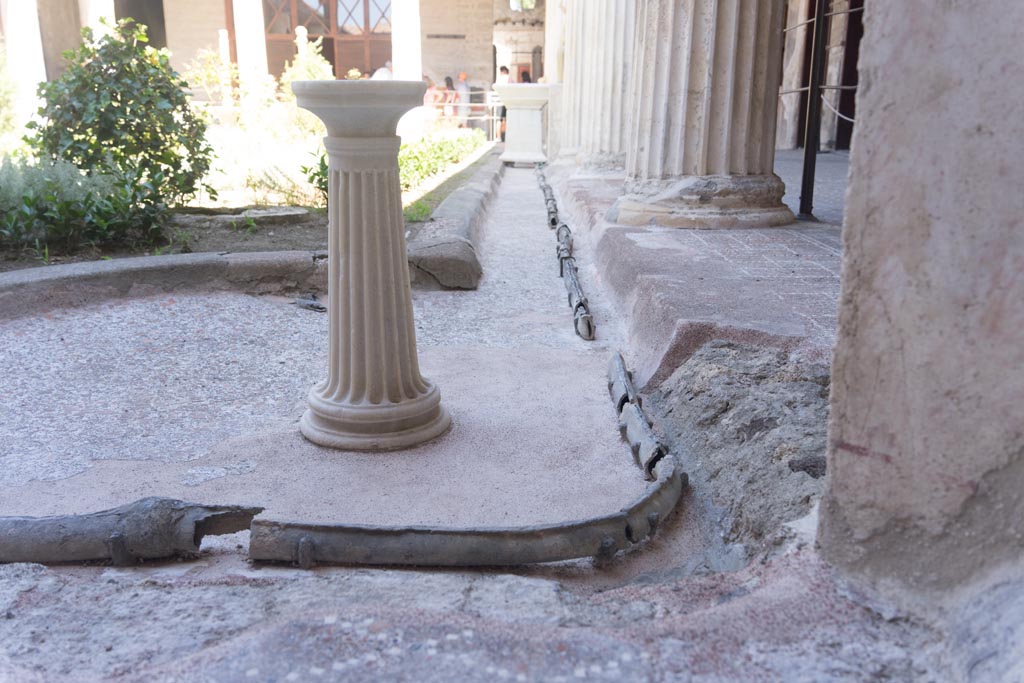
(359, 109)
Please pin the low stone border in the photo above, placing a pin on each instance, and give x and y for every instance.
(38, 290)
(262, 216)
(598, 537)
(445, 252)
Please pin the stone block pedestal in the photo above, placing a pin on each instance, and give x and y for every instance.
(524, 138)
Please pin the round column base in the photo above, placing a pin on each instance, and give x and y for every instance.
(704, 203)
(375, 427)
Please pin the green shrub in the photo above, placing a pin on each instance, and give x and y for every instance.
(309, 64)
(424, 158)
(210, 75)
(55, 205)
(120, 108)
(417, 161)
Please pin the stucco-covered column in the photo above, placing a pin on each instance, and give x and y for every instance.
(704, 116)
(926, 434)
(406, 41)
(90, 12)
(788, 134)
(606, 73)
(835, 58)
(23, 44)
(250, 41)
(575, 53)
(554, 40)
(554, 60)
(407, 61)
(374, 397)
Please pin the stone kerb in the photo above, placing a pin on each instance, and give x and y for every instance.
(36, 291)
(446, 251)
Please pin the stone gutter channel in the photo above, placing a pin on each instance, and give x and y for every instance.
(155, 528)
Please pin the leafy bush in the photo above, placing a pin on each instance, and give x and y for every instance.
(417, 161)
(209, 74)
(53, 203)
(120, 108)
(309, 64)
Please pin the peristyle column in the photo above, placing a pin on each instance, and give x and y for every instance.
(704, 116)
(606, 74)
(374, 397)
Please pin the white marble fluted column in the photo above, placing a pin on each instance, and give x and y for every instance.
(572, 93)
(606, 75)
(374, 397)
(704, 116)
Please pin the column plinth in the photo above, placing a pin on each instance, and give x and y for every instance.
(703, 121)
(708, 201)
(374, 397)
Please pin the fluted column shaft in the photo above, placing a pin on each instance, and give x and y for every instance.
(598, 68)
(607, 69)
(374, 397)
(576, 40)
(704, 100)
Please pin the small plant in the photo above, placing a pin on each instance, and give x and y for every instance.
(183, 239)
(247, 224)
(120, 107)
(417, 212)
(41, 252)
(318, 175)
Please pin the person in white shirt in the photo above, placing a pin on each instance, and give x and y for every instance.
(383, 73)
(503, 78)
(462, 89)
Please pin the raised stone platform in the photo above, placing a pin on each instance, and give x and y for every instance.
(677, 289)
(197, 397)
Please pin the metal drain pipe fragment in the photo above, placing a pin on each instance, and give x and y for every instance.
(148, 529)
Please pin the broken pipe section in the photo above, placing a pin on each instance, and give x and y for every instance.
(148, 529)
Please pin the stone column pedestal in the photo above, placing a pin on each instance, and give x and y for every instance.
(524, 136)
(704, 118)
(374, 397)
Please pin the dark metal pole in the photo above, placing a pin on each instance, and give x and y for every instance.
(812, 132)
